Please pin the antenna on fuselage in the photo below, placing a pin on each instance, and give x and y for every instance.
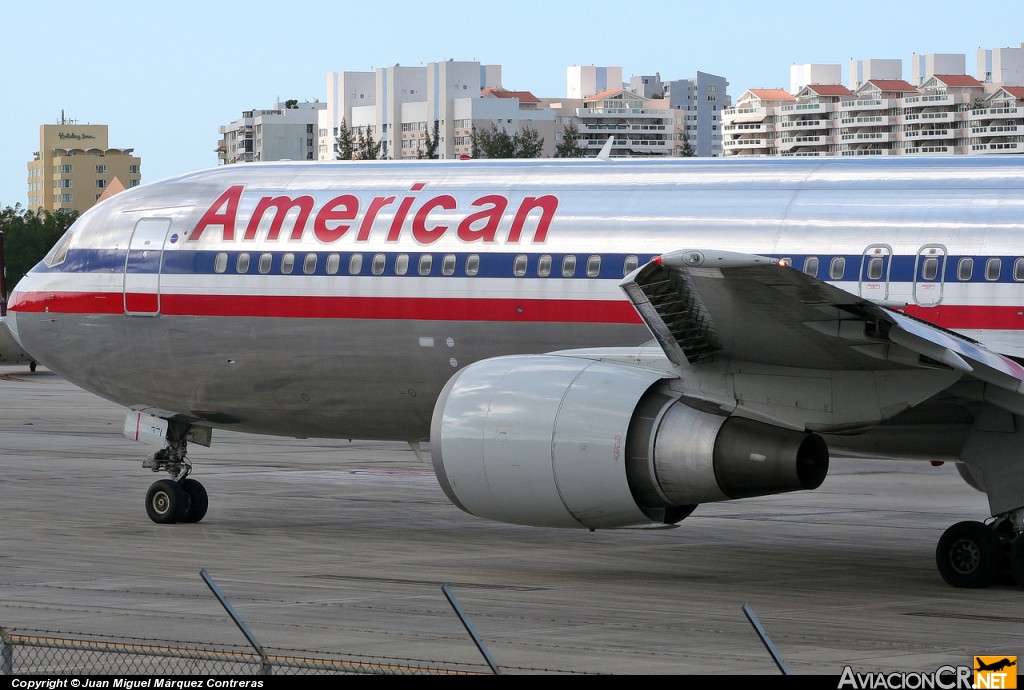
(606, 150)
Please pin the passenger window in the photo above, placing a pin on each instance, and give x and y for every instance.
(309, 264)
(569, 266)
(242, 263)
(333, 264)
(811, 266)
(355, 264)
(544, 265)
(287, 263)
(875, 266)
(965, 269)
(519, 267)
(426, 261)
(265, 262)
(448, 264)
(1018, 270)
(993, 267)
(929, 268)
(837, 269)
(379, 262)
(472, 264)
(220, 262)
(593, 266)
(401, 264)
(630, 264)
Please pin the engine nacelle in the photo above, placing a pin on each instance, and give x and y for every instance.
(562, 441)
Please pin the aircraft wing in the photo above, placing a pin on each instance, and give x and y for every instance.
(702, 305)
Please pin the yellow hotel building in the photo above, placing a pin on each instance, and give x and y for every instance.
(74, 166)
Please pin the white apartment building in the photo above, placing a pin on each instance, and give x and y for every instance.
(584, 81)
(862, 71)
(997, 125)
(640, 126)
(947, 115)
(285, 132)
(802, 75)
(750, 128)
(399, 105)
(1001, 65)
(924, 67)
(810, 126)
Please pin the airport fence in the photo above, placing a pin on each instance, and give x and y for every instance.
(27, 652)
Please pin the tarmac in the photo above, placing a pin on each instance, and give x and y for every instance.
(344, 546)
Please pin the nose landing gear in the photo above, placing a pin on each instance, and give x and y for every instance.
(178, 499)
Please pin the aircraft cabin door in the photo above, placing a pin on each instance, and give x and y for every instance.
(874, 272)
(142, 267)
(929, 273)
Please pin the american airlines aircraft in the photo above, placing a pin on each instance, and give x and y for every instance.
(590, 343)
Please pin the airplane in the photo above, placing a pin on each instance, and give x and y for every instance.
(995, 666)
(583, 343)
(11, 351)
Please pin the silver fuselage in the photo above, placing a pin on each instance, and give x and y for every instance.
(297, 298)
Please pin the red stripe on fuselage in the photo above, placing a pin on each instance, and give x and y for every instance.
(954, 317)
(324, 307)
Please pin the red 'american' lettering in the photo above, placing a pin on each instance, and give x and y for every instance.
(428, 218)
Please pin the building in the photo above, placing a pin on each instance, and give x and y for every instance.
(285, 132)
(810, 126)
(585, 81)
(640, 126)
(75, 165)
(997, 125)
(702, 98)
(935, 120)
(802, 75)
(862, 71)
(924, 67)
(1001, 65)
(750, 128)
(399, 105)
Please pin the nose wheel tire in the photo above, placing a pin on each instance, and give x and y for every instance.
(166, 502)
(969, 555)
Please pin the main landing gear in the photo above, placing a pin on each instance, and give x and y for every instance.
(975, 554)
(178, 499)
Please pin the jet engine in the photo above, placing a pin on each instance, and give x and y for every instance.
(564, 441)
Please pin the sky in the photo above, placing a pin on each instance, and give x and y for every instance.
(164, 76)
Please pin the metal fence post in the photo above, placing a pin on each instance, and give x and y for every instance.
(776, 657)
(469, 628)
(6, 654)
(267, 669)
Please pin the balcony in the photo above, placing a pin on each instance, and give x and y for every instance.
(867, 152)
(998, 147)
(942, 116)
(867, 120)
(922, 134)
(791, 142)
(997, 113)
(867, 104)
(930, 100)
(745, 144)
(804, 108)
(737, 115)
(928, 150)
(804, 153)
(866, 137)
(805, 124)
(998, 130)
(753, 127)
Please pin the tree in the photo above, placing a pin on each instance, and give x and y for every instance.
(497, 143)
(569, 146)
(28, 236)
(429, 150)
(687, 151)
(291, 104)
(366, 148)
(345, 144)
(528, 143)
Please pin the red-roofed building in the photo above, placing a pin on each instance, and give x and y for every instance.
(997, 125)
(749, 128)
(809, 126)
